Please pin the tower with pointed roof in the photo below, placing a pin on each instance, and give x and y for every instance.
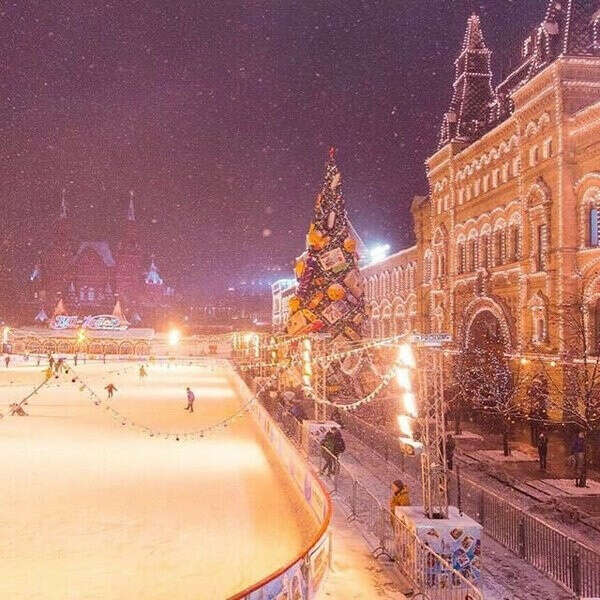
(55, 264)
(129, 268)
(472, 85)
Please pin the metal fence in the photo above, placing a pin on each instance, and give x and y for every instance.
(430, 576)
(573, 565)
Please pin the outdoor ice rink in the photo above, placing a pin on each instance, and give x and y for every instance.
(92, 509)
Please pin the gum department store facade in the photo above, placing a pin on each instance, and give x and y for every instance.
(511, 226)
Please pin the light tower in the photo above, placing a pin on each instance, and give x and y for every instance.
(433, 458)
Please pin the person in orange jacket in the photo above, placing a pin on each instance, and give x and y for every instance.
(400, 496)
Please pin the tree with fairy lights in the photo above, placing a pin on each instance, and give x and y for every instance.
(329, 298)
(485, 381)
(576, 387)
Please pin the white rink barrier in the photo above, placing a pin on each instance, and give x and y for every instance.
(301, 578)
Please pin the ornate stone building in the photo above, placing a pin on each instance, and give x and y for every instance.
(90, 275)
(391, 293)
(510, 230)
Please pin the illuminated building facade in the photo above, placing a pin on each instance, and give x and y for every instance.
(509, 233)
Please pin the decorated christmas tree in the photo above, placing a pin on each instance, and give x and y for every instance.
(329, 298)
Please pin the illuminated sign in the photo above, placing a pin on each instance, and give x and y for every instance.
(97, 322)
(104, 322)
(64, 322)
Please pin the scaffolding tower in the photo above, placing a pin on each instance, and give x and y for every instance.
(433, 432)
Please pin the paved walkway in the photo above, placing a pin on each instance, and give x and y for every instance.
(355, 574)
(506, 577)
(529, 486)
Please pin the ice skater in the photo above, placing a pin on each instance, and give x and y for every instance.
(190, 400)
(143, 373)
(111, 389)
(75, 359)
(7, 361)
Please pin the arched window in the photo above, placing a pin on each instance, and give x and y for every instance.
(472, 254)
(515, 242)
(484, 250)
(460, 258)
(594, 227)
(498, 247)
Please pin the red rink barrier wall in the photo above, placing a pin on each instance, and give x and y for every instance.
(301, 577)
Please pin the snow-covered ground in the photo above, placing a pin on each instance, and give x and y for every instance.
(93, 509)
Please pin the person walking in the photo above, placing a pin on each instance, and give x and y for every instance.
(110, 388)
(190, 400)
(7, 360)
(51, 361)
(542, 446)
(578, 451)
(450, 448)
(400, 497)
(327, 450)
(143, 373)
(339, 446)
(75, 358)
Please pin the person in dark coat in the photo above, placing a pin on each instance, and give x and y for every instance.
(298, 412)
(111, 389)
(450, 445)
(542, 446)
(339, 446)
(327, 451)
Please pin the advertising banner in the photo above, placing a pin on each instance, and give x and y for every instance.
(291, 585)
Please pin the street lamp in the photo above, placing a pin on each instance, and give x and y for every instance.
(378, 253)
(174, 337)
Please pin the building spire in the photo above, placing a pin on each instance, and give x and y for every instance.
(472, 85)
(131, 210)
(63, 204)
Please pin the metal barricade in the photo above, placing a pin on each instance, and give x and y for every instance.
(430, 575)
(568, 562)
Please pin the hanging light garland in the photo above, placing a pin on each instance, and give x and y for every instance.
(126, 421)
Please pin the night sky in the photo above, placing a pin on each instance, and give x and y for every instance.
(219, 114)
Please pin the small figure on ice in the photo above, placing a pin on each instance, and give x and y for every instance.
(111, 389)
(75, 359)
(16, 409)
(143, 373)
(190, 400)
(7, 360)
